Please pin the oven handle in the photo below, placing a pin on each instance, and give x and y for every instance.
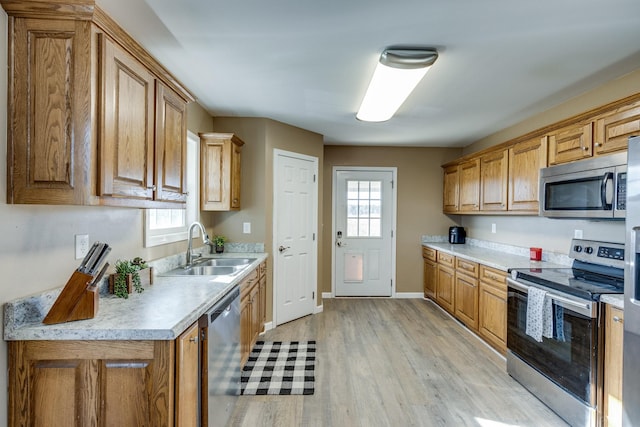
(567, 301)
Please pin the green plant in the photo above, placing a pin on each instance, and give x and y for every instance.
(219, 240)
(124, 268)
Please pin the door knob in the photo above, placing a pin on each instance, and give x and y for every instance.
(283, 248)
(340, 244)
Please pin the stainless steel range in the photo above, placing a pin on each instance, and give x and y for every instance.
(563, 365)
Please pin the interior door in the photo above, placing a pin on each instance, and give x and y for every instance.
(295, 221)
(363, 251)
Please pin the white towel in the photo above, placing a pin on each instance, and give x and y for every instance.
(539, 315)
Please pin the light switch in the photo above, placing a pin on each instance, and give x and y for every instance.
(246, 227)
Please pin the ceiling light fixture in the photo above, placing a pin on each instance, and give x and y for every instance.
(398, 72)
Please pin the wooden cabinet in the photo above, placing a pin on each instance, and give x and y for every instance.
(469, 186)
(494, 168)
(252, 309)
(466, 292)
(451, 189)
(220, 171)
(613, 128)
(614, 332)
(525, 161)
(492, 316)
(445, 282)
(573, 142)
(430, 275)
(91, 383)
(93, 118)
(188, 373)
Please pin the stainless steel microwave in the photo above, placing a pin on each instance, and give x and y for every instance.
(594, 188)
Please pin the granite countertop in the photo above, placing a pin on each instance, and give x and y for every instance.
(614, 300)
(161, 312)
(500, 260)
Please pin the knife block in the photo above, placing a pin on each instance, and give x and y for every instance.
(77, 301)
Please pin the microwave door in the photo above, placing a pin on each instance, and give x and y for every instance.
(579, 195)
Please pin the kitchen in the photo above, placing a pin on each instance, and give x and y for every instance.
(44, 234)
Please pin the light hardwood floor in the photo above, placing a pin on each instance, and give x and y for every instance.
(384, 362)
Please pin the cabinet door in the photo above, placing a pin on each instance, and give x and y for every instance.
(571, 143)
(126, 137)
(613, 129)
(493, 181)
(49, 121)
(245, 327)
(470, 186)
(236, 174)
(492, 316)
(430, 278)
(170, 145)
(614, 332)
(187, 377)
(220, 171)
(263, 302)
(254, 296)
(525, 161)
(466, 300)
(445, 288)
(451, 187)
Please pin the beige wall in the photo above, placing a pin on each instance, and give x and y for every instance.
(419, 202)
(261, 137)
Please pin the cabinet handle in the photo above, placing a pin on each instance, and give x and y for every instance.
(151, 187)
(618, 319)
(193, 339)
(585, 148)
(598, 144)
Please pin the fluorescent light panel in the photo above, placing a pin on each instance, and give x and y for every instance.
(398, 72)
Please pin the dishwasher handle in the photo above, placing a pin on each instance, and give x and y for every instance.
(221, 307)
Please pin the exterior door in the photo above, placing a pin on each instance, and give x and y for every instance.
(295, 230)
(364, 223)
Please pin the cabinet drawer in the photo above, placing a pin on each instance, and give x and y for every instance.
(468, 267)
(429, 253)
(493, 277)
(446, 259)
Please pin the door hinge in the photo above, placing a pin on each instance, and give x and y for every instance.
(391, 233)
(314, 177)
(313, 296)
(391, 283)
(392, 183)
(314, 236)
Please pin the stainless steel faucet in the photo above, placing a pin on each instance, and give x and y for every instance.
(205, 240)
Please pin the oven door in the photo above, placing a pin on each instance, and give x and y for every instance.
(569, 358)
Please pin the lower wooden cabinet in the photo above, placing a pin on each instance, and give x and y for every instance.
(430, 272)
(445, 283)
(492, 316)
(188, 374)
(252, 309)
(98, 383)
(613, 335)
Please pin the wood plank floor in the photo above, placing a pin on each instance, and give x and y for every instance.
(385, 362)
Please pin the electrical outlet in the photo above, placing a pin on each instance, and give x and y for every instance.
(493, 228)
(577, 234)
(82, 245)
(246, 227)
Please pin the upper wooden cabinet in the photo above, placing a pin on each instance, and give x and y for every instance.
(614, 128)
(220, 171)
(469, 186)
(525, 161)
(93, 118)
(494, 168)
(451, 179)
(571, 143)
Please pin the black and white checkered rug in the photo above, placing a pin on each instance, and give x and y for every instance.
(283, 368)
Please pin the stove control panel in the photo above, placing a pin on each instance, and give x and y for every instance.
(595, 252)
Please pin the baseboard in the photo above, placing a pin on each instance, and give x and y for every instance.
(327, 295)
(318, 309)
(409, 295)
(268, 326)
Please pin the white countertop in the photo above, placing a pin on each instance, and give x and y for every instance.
(161, 312)
(614, 300)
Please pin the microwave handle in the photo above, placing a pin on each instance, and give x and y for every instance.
(606, 203)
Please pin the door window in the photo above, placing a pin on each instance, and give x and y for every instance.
(364, 207)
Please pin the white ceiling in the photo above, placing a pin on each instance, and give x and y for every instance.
(307, 63)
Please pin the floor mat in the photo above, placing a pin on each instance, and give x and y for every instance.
(280, 368)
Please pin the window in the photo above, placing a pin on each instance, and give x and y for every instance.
(162, 226)
(364, 200)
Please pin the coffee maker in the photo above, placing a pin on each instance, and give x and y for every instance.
(457, 235)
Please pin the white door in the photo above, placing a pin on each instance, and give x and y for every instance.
(364, 222)
(295, 229)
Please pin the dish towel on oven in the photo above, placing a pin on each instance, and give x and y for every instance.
(539, 315)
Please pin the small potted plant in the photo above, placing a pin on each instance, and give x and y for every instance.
(127, 277)
(219, 241)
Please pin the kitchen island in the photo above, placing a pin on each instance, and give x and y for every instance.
(137, 362)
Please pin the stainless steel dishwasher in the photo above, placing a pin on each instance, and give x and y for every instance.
(221, 362)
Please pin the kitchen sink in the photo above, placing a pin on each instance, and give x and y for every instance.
(212, 267)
